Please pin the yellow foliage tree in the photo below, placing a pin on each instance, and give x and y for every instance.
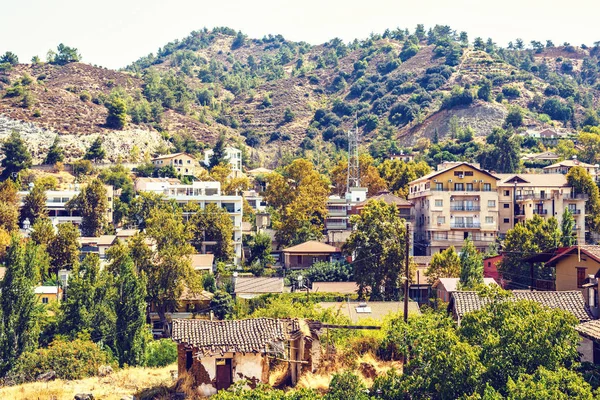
(369, 176)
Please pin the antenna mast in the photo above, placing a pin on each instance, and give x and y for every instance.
(353, 167)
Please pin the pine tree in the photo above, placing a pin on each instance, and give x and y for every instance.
(18, 308)
(55, 153)
(436, 137)
(471, 266)
(16, 156)
(568, 239)
(130, 308)
(95, 152)
(34, 205)
(218, 155)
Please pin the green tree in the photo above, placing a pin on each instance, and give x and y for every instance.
(130, 308)
(19, 330)
(514, 118)
(485, 91)
(92, 204)
(445, 264)
(65, 55)
(471, 266)
(568, 237)
(519, 337)
(502, 153)
(42, 232)
(260, 249)
(377, 246)
(346, 385)
(167, 265)
(222, 304)
(95, 152)
(582, 183)
(560, 384)
(34, 205)
(55, 153)
(10, 58)
(117, 111)
(16, 156)
(9, 206)
(89, 306)
(213, 224)
(218, 155)
(64, 247)
(288, 115)
(524, 240)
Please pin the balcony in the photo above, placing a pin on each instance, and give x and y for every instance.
(337, 213)
(573, 196)
(465, 208)
(533, 196)
(465, 225)
(576, 212)
(540, 212)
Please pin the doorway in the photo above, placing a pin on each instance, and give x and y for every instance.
(224, 373)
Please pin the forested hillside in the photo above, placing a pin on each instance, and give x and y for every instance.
(275, 96)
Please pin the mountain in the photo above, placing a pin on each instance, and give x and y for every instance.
(278, 97)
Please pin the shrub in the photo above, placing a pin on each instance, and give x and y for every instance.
(160, 353)
(76, 359)
(82, 167)
(511, 91)
(85, 96)
(346, 386)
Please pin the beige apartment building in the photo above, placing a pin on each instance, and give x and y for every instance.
(457, 201)
(521, 196)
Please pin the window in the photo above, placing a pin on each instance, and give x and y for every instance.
(439, 186)
(439, 203)
(506, 205)
(45, 300)
(580, 276)
(469, 187)
(458, 173)
(487, 187)
(459, 186)
(506, 220)
(491, 203)
(441, 220)
(489, 220)
(468, 173)
(507, 193)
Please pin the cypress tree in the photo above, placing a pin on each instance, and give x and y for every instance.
(218, 155)
(19, 330)
(471, 266)
(567, 225)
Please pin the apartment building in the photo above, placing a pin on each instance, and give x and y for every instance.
(565, 166)
(203, 193)
(521, 196)
(340, 208)
(56, 203)
(183, 163)
(457, 201)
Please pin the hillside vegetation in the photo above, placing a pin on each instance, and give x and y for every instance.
(276, 96)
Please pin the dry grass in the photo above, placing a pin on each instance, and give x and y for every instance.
(124, 382)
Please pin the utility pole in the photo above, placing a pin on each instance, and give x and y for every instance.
(406, 272)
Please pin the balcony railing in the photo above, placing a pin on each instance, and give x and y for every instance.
(465, 208)
(575, 212)
(533, 196)
(540, 212)
(459, 191)
(465, 225)
(573, 196)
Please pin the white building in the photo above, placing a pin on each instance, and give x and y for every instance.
(231, 153)
(56, 201)
(203, 193)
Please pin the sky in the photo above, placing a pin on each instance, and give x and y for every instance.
(114, 33)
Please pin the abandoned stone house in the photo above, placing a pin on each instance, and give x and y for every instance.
(218, 353)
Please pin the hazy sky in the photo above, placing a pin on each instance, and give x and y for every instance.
(113, 33)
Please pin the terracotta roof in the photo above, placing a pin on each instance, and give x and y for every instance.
(335, 287)
(188, 295)
(571, 301)
(461, 164)
(312, 247)
(422, 260)
(258, 285)
(388, 198)
(592, 251)
(202, 261)
(238, 336)
(570, 163)
(527, 180)
(171, 156)
(590, 329)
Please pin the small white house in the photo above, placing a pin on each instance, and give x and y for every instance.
(231, 153)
